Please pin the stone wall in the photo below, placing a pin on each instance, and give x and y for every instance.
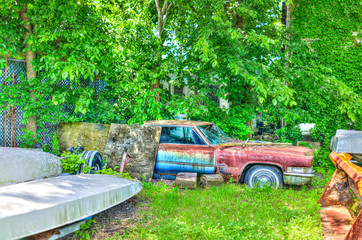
(91, 136)
(140, 143)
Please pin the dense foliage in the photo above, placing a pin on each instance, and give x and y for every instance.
(224, 49)
(324, 66)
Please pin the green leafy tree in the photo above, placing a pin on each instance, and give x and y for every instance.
(221, 49)
(66, 44)
(234, 46)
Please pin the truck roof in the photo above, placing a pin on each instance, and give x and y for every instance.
(176, 123)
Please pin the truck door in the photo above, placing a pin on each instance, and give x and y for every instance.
(181, 149)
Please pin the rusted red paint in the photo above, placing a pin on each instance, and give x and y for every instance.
(337, 191)
(336, 222)
(352, 170)
(336, 219)
(235, 159)
(293, 149)
(229, 161)
(355, 233)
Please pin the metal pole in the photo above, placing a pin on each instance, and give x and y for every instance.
(95, 85)
(12, 139)
(5, 113)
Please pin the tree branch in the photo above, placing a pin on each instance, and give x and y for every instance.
(164, 21)
(158, 7)
(160, 18)
(164, 7)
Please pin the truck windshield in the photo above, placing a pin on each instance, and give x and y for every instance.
(214, 134)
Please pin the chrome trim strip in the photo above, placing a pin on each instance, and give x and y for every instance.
(298, 174)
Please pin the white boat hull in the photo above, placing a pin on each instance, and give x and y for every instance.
(34, 207)
(20, 165)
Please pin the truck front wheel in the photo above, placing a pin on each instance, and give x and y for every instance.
(260, 176)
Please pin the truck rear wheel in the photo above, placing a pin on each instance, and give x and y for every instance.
(260, 176)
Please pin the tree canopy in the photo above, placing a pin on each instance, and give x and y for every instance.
(234, 50)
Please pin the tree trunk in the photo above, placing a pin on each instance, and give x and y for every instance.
(249, 123)
(162, 17)
(30, 56)
(286, 15)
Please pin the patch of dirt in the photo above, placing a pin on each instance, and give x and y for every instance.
(114, 220)
(119, 218)
(162, 181)
(319, 175)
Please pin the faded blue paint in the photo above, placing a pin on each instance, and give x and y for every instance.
(172, 159)
(164, 176)
(174, 168)
(214, 159)
(184, 157)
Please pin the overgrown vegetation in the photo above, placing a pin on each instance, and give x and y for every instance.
(110, 171)
(223, 49)
(71, 163)
(231, 50)
(323, 62)
(232, 211)
(85, 232)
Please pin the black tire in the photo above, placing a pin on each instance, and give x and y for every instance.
(97, 165)
(94, 160)
(260, 175)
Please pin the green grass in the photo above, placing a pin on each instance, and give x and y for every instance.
(232, 211)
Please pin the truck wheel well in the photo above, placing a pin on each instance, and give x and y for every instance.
(247, 167)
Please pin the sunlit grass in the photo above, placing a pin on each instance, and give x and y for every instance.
(232, 211)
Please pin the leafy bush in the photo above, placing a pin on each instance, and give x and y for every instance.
(55, 145)
(85, 232)
(72, 162)
(232, 121)
(110, 171)
(321, 161)
(289, 134)
(27, 139)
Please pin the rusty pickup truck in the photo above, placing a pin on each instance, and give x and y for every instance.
(202, 147)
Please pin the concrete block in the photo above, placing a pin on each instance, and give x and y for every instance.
(186, 180)
(208, 180)
(91, 136)
(140, 143)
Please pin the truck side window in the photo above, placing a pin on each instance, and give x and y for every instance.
(172, 135)
(197, 140)
(180, 135)
(191, 137)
